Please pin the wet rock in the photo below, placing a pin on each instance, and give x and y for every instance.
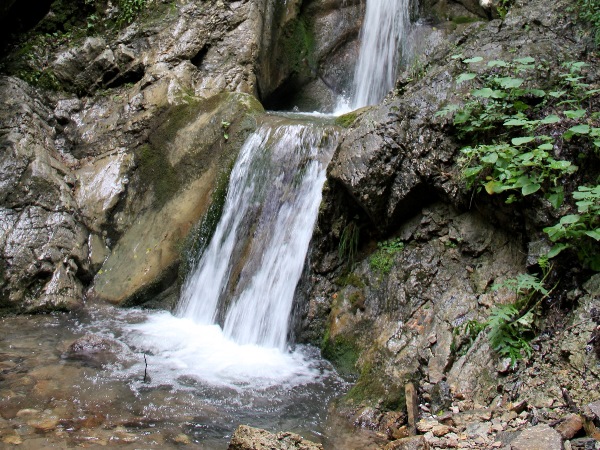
(540, 437)
(248, 438)
(45, 424)
(186, 156)
(98, 351)
(42, 241)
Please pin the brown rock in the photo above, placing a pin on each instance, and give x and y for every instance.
(570, 426)
(412, 408)
(440, 430)
(410, 443)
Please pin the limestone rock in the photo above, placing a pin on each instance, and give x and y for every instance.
(570, 426)
(248, 438)
(540, 437)
(42, 242)
(180, 166)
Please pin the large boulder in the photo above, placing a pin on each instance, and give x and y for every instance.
(192, 147)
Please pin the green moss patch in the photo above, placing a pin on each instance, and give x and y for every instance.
(342, 352)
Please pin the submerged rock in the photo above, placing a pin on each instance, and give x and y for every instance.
(248, 438)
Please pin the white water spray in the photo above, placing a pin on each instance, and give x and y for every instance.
(383, 44)
(249, 271)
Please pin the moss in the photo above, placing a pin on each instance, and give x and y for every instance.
(346, 120)
(357, 301)
(200, 236)
(372, 389)
(342, 352)
(459, 20)
(350, 279)
(158, 172)
(298, 46)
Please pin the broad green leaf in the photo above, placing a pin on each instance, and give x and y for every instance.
(556, 249)
(516, 122)
(580, 129)
(537, 92)
(552, 118)
(556, 199)
(475, 59)
(569, 219)
(546, 146)
(557, 94)
(522, 140)
(575, 114)
(491, 158)
(465, 77)
(525, 60)
(472, 171)
(509, 82)
(530, 189)
(493, 187)
(457, 56)
(488, 93)
(497, 63)
(560, 165)
(583, 206)
(594, 234)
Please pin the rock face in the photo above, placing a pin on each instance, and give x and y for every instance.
(248, 438)
(394, 272)
(43, 242)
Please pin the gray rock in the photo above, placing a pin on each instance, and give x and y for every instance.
(248, 438)
(540, 437)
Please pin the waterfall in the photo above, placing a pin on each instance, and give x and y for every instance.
(383, 44)
(248, 273)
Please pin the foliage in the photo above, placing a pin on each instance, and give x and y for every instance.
(348, 246)
(129, 10)
(510, 327)
(383, 259)
(589, 11)
(581, 230)
(509, 120)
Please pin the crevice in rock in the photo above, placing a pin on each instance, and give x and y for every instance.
(197, 59)
(131, 75)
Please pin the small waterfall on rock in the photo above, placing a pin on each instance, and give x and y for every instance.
(383, 44)
(247, 275)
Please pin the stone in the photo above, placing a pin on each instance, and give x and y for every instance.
(248, 438)
(410, 443)
(440, 430)
(539, 437)
(569, 426)
(411, 407)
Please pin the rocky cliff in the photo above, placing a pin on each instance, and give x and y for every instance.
(119, 130)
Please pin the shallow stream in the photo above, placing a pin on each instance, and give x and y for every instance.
(100, 392)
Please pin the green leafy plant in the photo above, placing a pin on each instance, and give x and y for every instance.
(580, 231)
(225, 125)
(589, 11)
(383, 259)
(511, 327)
(511, 125)
(129, 10)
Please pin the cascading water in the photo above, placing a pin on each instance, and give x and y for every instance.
(255, 258)
(383, 43)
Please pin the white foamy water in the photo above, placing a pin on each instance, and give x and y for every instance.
(384, 41)
(247, 276)
(179, 348)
